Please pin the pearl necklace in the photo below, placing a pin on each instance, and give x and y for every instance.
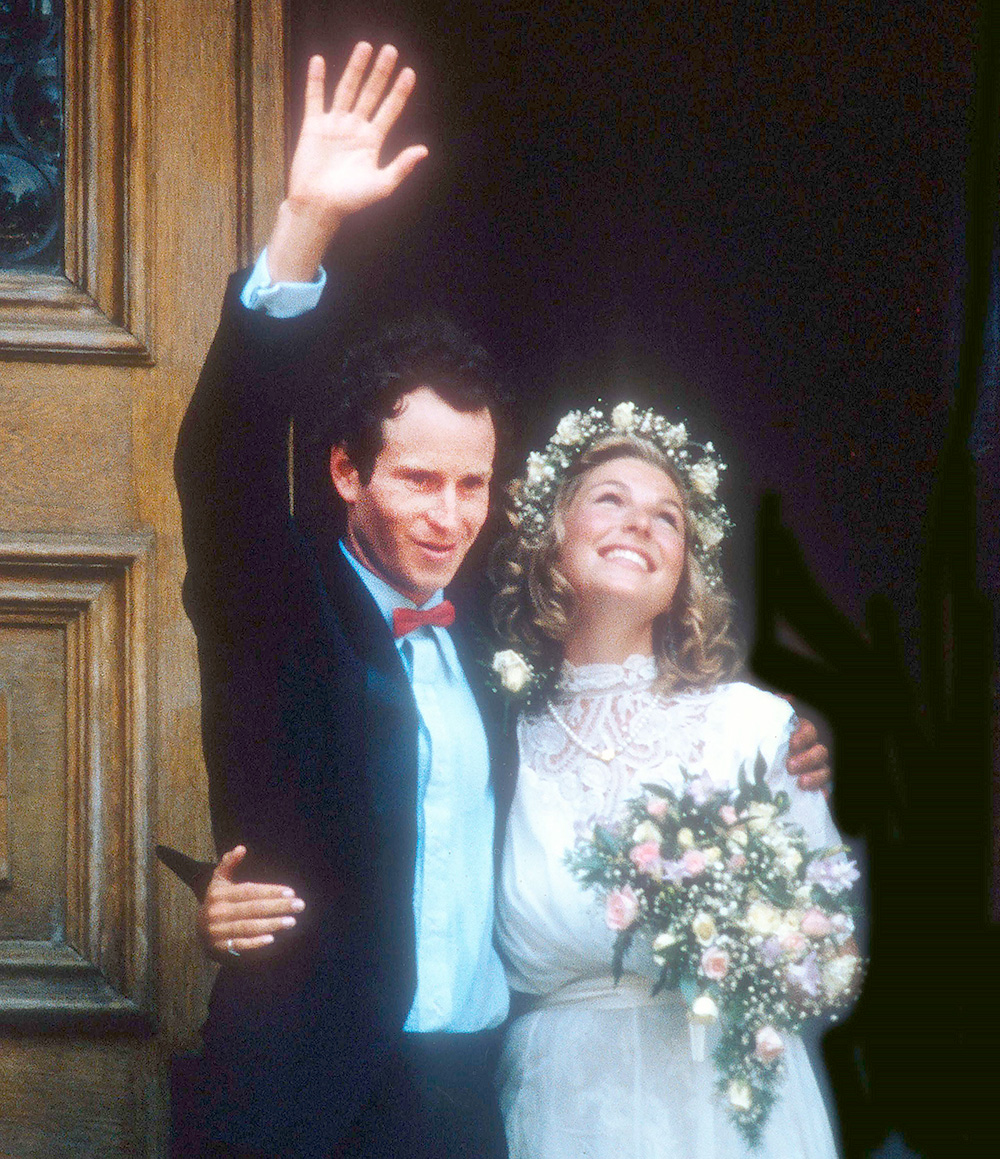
(607, 755)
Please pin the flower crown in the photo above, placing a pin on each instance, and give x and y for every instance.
(696, 465)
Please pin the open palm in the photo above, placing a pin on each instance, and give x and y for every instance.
(335, 169)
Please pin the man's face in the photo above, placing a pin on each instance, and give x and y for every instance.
(415, 519)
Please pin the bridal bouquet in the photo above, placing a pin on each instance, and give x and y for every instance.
(755, 928)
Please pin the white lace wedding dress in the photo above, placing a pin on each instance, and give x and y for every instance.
(599, 1071)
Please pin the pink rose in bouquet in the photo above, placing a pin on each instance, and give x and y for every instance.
(793, 944)
(815, 923)
(769, 1044)
(715, 963)
(658, 807)
(621, 908)
(646, 858)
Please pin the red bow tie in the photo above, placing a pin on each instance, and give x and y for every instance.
(405, 620)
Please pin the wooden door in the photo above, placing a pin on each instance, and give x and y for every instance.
(172, 160)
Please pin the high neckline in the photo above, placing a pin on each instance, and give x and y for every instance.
(636, 671)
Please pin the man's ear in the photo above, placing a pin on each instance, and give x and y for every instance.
(344, 474)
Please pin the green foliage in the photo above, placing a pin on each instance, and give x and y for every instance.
(621, 948)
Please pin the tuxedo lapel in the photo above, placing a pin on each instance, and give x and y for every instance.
(389, 711)
(357, 613)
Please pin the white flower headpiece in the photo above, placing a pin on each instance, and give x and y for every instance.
(697, 466)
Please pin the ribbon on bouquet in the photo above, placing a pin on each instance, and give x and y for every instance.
(702, 1014)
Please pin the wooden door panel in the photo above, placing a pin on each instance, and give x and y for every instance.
(75, 916)
(174, 165)
(32, 660)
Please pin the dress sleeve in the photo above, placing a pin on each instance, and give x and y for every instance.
(775, 721)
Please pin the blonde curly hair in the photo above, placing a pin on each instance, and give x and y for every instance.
(694, 641)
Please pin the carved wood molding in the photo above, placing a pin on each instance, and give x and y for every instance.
(260, 78)
(100, 309)
(4, 780)
(95, 591)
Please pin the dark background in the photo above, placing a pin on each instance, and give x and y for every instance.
(749, 213)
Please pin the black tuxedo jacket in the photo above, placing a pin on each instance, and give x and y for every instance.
(310, 740)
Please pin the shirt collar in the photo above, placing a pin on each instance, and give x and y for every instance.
(384, 594)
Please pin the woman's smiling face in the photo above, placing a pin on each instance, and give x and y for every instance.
(623, 543)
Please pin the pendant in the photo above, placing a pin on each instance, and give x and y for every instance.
(607, 755)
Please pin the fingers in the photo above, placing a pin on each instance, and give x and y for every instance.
(814, 759)
(397, 171)
(225, 893)
(315, 86)
(816, 780)
(254, 908)
(265, 911)
(228, 863)
(220, 931)
(241, 945)
(804, 736)
(350, 79)
(812, 768)
(378, 78)
(388, 111)
(363, 99)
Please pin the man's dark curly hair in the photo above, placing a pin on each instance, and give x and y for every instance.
(425, 350)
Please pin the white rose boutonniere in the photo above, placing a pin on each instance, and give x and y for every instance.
(513, 670)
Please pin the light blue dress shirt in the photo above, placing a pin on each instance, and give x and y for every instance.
(460, 979)
(280, 299)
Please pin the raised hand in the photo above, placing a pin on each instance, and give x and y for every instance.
(236, 917)
(335, 168)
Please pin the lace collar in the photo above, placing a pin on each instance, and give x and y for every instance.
(636, 672)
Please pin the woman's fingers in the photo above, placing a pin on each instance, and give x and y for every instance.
(804, 736)
(250, 911)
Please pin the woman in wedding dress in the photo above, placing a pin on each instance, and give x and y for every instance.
(610, 590)
(619, 648)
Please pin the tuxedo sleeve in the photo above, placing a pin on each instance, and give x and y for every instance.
(248, 589)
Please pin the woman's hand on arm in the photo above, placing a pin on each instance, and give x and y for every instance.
(335, 168)
(239, 917)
